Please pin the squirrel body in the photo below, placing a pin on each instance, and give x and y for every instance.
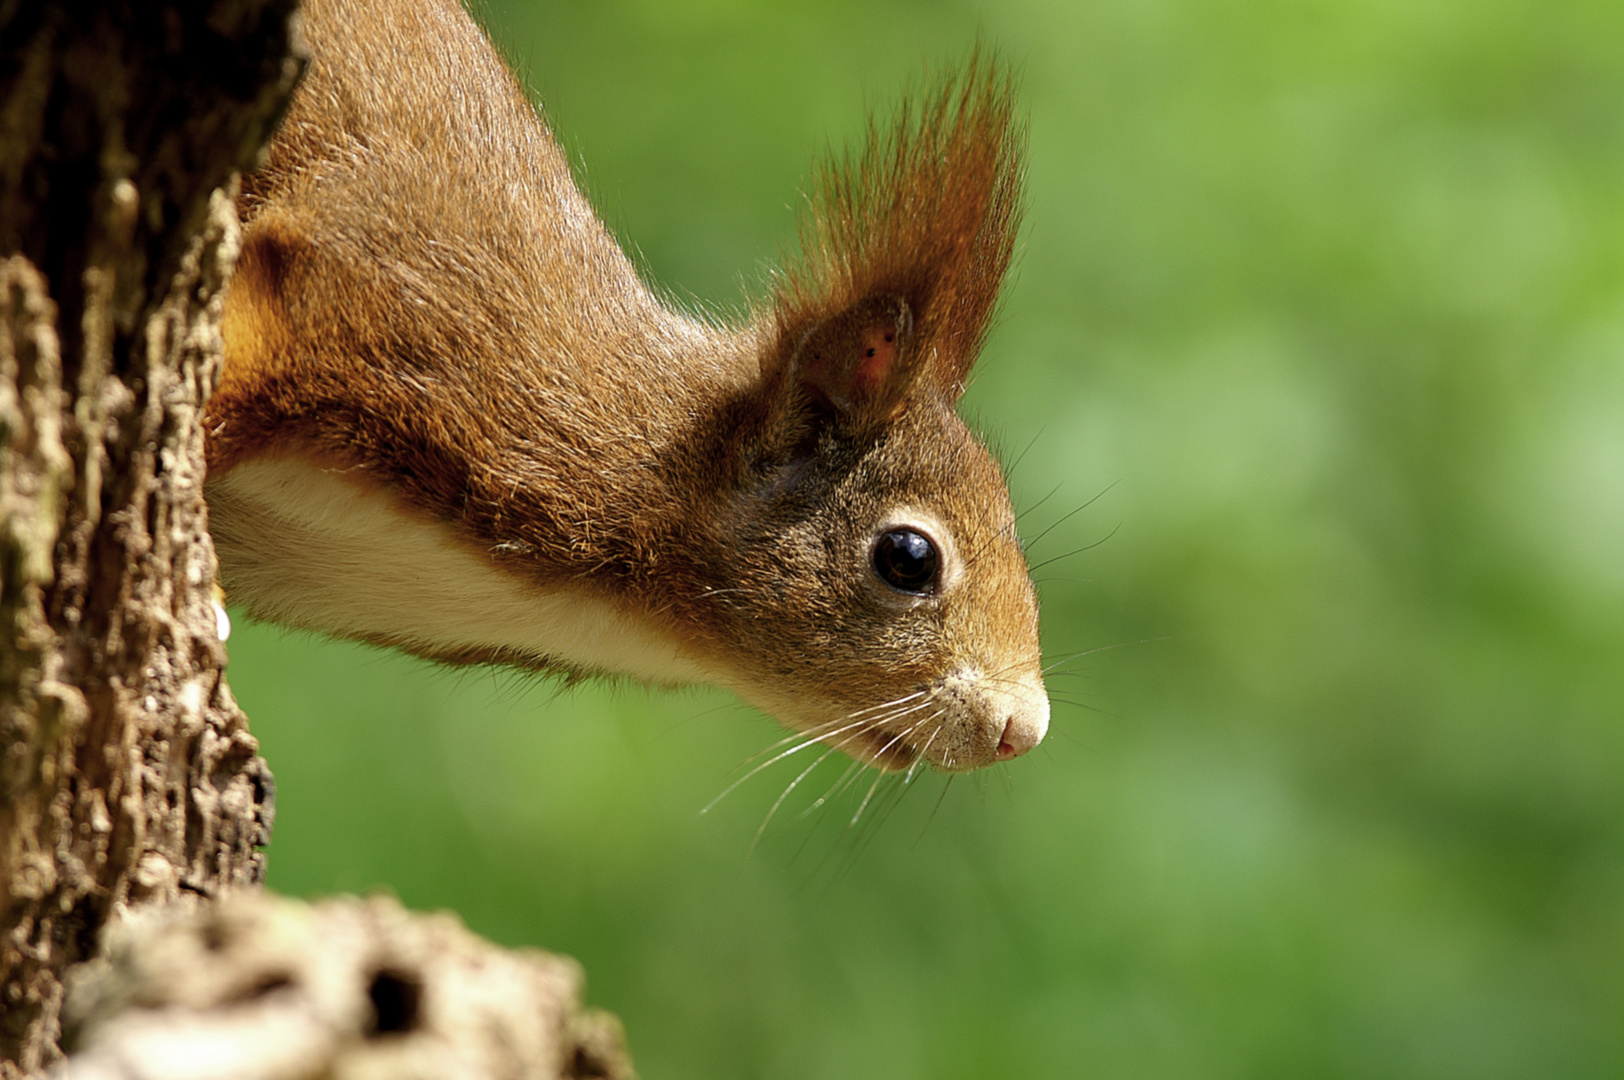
(452, 419)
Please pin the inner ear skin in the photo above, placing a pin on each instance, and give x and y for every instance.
(859, 360)
(878, 347)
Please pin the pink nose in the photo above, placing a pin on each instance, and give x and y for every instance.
(1021, 733)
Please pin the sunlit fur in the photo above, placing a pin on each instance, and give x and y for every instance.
(428, 312)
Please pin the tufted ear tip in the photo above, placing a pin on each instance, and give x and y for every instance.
(926, 213)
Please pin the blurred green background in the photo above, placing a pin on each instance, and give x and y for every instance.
(1324, 302)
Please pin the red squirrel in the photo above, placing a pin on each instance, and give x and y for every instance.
(452, 419)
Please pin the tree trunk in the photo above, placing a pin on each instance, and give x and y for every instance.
(128, 778)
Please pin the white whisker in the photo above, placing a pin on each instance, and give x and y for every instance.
(793, 784)
(813, 738)
(821, 728)
(842, 782)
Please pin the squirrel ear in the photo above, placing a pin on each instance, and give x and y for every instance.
(860, 362)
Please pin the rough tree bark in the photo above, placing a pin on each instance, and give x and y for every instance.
(128, 779)
(129, 776)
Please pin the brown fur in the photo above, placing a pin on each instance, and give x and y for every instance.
(426, 303)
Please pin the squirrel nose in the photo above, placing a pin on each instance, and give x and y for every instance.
(1025, 728)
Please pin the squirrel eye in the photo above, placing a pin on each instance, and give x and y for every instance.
(906, 560)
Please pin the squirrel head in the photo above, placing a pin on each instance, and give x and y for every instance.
(879, 599)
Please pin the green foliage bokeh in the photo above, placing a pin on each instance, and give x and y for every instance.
(1322, 306)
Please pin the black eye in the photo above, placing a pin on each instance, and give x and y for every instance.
(906, 560)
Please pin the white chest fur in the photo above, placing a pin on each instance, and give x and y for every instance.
(307, 547)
